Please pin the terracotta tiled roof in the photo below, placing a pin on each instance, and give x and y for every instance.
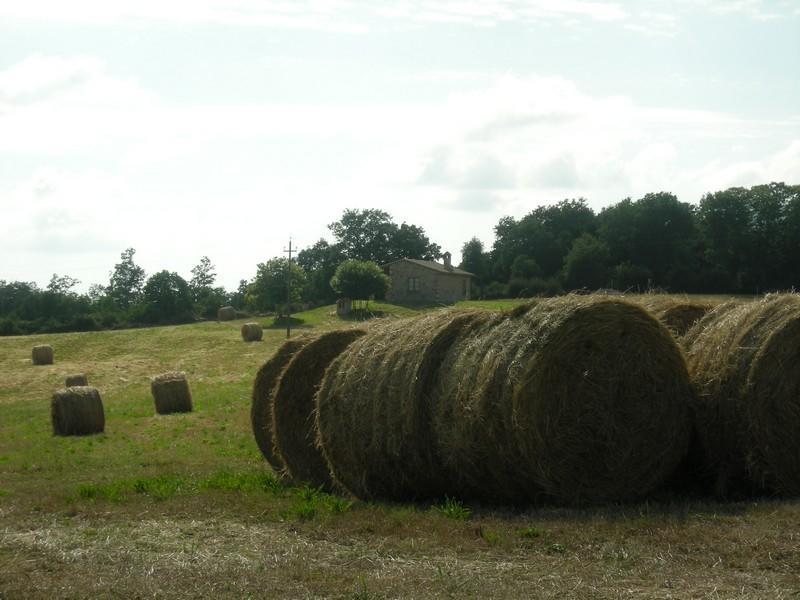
(429, 264)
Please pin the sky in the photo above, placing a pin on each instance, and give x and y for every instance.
(221, 128)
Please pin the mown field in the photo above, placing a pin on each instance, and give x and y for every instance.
(185, 506)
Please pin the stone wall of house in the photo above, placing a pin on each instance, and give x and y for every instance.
(429, 285)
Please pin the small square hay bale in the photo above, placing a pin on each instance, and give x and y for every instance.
(252, 332)
(171, 393)
(76, 379)
(226, 313)
(77, 410)
(42, 354)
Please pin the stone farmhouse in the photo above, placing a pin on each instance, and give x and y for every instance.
(415, 280)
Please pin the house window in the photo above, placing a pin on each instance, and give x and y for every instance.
(413, 284)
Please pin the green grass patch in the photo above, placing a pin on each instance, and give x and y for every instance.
(309, 502)
(452, 509)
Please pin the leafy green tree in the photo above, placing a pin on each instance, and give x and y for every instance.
(166, 299)
(723, 219)
(474, 260)
(237, 299)
(365, 234)
(268, 290)
(360, 280)
(656, 232)
(566, 221)
(410, 241)
(61, 284)
(319, 262)
(207, 298)
(203, 277)
(528, 237)
(371, 234)
(127, 280)
(525, 267)
(586, 265)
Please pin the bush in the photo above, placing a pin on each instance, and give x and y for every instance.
(360, 279)
(520, 287)
(10, 327)
(495, 290)
(627, 276)
(83, 323)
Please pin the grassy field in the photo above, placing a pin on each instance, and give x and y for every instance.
(184, 505)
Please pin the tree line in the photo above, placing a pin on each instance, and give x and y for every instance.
(740, 240)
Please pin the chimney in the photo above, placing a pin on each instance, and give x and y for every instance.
(447, 265)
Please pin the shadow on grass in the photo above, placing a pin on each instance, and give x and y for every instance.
(293, 322)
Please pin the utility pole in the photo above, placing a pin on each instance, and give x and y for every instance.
(289, 290)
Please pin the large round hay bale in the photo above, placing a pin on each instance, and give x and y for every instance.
(42, 354)
(679, 315)
(226, 313)
(252, 332)
(744, 367)
(263, 392)
(171, 393)
(712, 316)
(293, 423)
(373, 409)
(76, 379)
(583, 399)
(77, 411)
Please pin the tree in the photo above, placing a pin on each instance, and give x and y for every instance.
(586, 265)
(166, 298)
(203, 277)
(371, 234)
(319, 262)
(61, 285)
(360, 280)
(410, 241)
(525, 267)
(474, 260)
(268, 290)
(207, 298)
(127, 279)
(365, 234)
(657, 232)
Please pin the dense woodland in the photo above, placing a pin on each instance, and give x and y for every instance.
(740, 241)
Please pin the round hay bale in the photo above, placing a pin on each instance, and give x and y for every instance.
(226, 313)
(252, 332)
(744, 367)
(678, 315)
(583, 399)
(171, 393)
(77, 410)
(42, 354)
(373, 408)
(76, 379)
(711, 316)
(293, 420)
(263, 392)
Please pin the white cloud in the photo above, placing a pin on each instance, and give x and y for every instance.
(553, 138)
(347, 16)
(783, 165)
(119, 167)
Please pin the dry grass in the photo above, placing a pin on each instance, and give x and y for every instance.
(58, 540)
